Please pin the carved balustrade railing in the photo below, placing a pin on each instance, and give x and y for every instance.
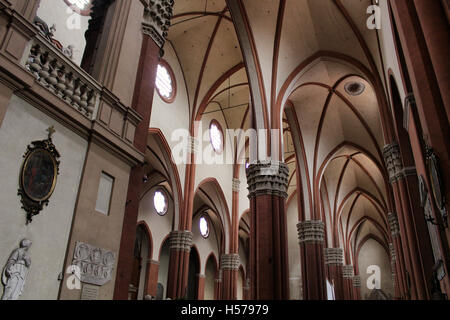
(62, 76)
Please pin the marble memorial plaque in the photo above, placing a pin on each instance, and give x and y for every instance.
(89, 292)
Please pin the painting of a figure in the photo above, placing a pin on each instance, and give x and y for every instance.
(38, 175)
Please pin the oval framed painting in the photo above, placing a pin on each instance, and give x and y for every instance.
(39, 174)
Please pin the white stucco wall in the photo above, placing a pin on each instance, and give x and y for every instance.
(50, 230)
(70, 26)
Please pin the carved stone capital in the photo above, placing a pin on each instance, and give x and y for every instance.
(157, 17)
(392, 252)
(334, 256)
(348, 272)
(393, 161)
(393, 224)
(236, 185)
(230, 262)
(357, 281)
(181, 240)
(268, 178)
(312, 231)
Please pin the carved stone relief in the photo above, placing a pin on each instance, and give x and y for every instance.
(96, 265)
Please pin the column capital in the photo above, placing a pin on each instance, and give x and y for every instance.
(357, 281)
(393, 224)
(268, 178)
(181, 240)
(311, 231)
(348, 272)
(392, 252)
(393, 161)
(230, 262)
(236, 185)
(157, 15)
(334, 256)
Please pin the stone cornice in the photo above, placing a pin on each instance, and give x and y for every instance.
(268, 178)
(312, 231)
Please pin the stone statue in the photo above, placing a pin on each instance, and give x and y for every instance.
(15, 273)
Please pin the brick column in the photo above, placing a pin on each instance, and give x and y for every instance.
(269, 271)
(218, 286)
(334, 260)
(153, 40)
(311, 238)
(230, 267)
(180, 248)
(152, 278)
(347, 275)
(357, 287)
(200, 286)
(411, 225)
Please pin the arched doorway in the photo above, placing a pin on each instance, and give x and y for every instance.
(142, 252)
(194, 271)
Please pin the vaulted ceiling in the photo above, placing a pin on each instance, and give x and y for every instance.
(305, 53)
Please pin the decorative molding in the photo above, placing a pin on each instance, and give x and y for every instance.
(181, 240)
(312, 231)
(268, 178)
(334, 256)
(157, 15)
(230, 262)
(393, 224)
(393, 161)
(348, 272)
(96, 264)
(357, 281)
(236, 185)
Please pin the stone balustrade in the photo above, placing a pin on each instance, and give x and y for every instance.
(61, 76)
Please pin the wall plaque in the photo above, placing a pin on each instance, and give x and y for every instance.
(38, 175)
(96, 264)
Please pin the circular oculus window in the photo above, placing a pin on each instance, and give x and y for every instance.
(204, 227)
(216, 136)
(165, 83)
(83, 7)
(160, 202)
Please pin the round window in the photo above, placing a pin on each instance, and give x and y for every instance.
(82, 7)
(165, 83)
(160, 202)
(216, 136)
(204, 227)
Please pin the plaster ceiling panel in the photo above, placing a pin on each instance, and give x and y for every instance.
(377, 175)
(366, 229)
(190, 40)
(367, 106)
(309, 102)
(364, 181)
(333, 31)
(183, 6)
(262, 15)
(340, 114)
(224, 54)
(332, 173)
(357, 10)
(298, 39)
